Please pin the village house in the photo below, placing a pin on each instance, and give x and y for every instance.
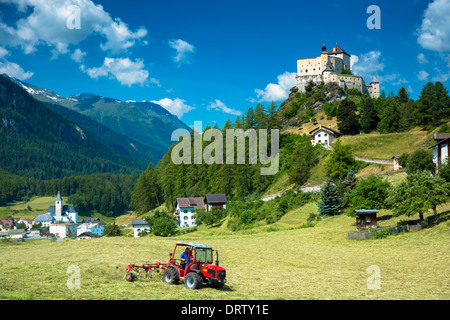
(17, 234)
(28, 224)
(91, 220)
(95, 228)
(440, 149)
(87, 235)
(185, 211)
(324, 136)
(63, 230)
(216, 201)
(138, 226)
(6, 225)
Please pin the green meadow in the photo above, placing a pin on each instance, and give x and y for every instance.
(284, 260)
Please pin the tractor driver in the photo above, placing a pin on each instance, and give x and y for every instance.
(185, 258)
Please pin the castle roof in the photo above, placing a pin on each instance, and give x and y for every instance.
(337, 49)
(374, 80)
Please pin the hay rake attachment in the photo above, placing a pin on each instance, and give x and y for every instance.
(134, 271)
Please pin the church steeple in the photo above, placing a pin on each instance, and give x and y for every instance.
(58, 205)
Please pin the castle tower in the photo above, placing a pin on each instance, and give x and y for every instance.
(375, 84)
(58, 205)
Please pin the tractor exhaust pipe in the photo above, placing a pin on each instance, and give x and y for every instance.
(217, 258)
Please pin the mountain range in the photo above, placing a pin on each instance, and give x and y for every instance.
(45, 135)
(148, 126)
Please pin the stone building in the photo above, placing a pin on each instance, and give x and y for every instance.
(333, 66)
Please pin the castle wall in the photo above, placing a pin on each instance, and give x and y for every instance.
(302, 81)
(327, 68)
(310, 67)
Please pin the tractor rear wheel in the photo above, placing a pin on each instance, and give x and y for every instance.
(170, 276)
(193, 281)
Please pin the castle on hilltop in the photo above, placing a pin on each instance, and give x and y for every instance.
(333, 66)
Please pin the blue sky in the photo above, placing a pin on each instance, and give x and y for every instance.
(210, 60)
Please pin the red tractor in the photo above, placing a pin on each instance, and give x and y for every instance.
(195, 266)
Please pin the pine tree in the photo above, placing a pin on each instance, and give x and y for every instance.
(369, 116)
(273, 122)
(331, 201)
(302, 160)
(260, 117)
(347, 119)
(402, 96)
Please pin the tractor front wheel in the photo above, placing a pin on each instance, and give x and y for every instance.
(193, 281)
(170, 276)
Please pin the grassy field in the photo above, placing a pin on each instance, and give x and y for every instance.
(384, 146)
(291, 263)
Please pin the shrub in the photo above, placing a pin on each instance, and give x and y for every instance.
(383, 233)
(419, 160)
(370, 193)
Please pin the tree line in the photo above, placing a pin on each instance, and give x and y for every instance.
(109, 194)
(394, 113)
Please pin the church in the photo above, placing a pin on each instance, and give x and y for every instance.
(333, 66)
(58, 213)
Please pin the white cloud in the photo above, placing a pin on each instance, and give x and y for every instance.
(434, 33)
(442, 77)
(277, 91)
(423, 75)
(124, 70)
(184, 51)
(177, 106)
(393, 78)
(119, 37)
(12, 69)
(78, 55)
(45, 23)
(3, 52)
(368, 64)
(219, 105)
(422, 59)
(353, 59)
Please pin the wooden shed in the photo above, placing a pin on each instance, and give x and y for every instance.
(366, 218)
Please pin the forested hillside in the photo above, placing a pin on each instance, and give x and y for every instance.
(353, 113)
